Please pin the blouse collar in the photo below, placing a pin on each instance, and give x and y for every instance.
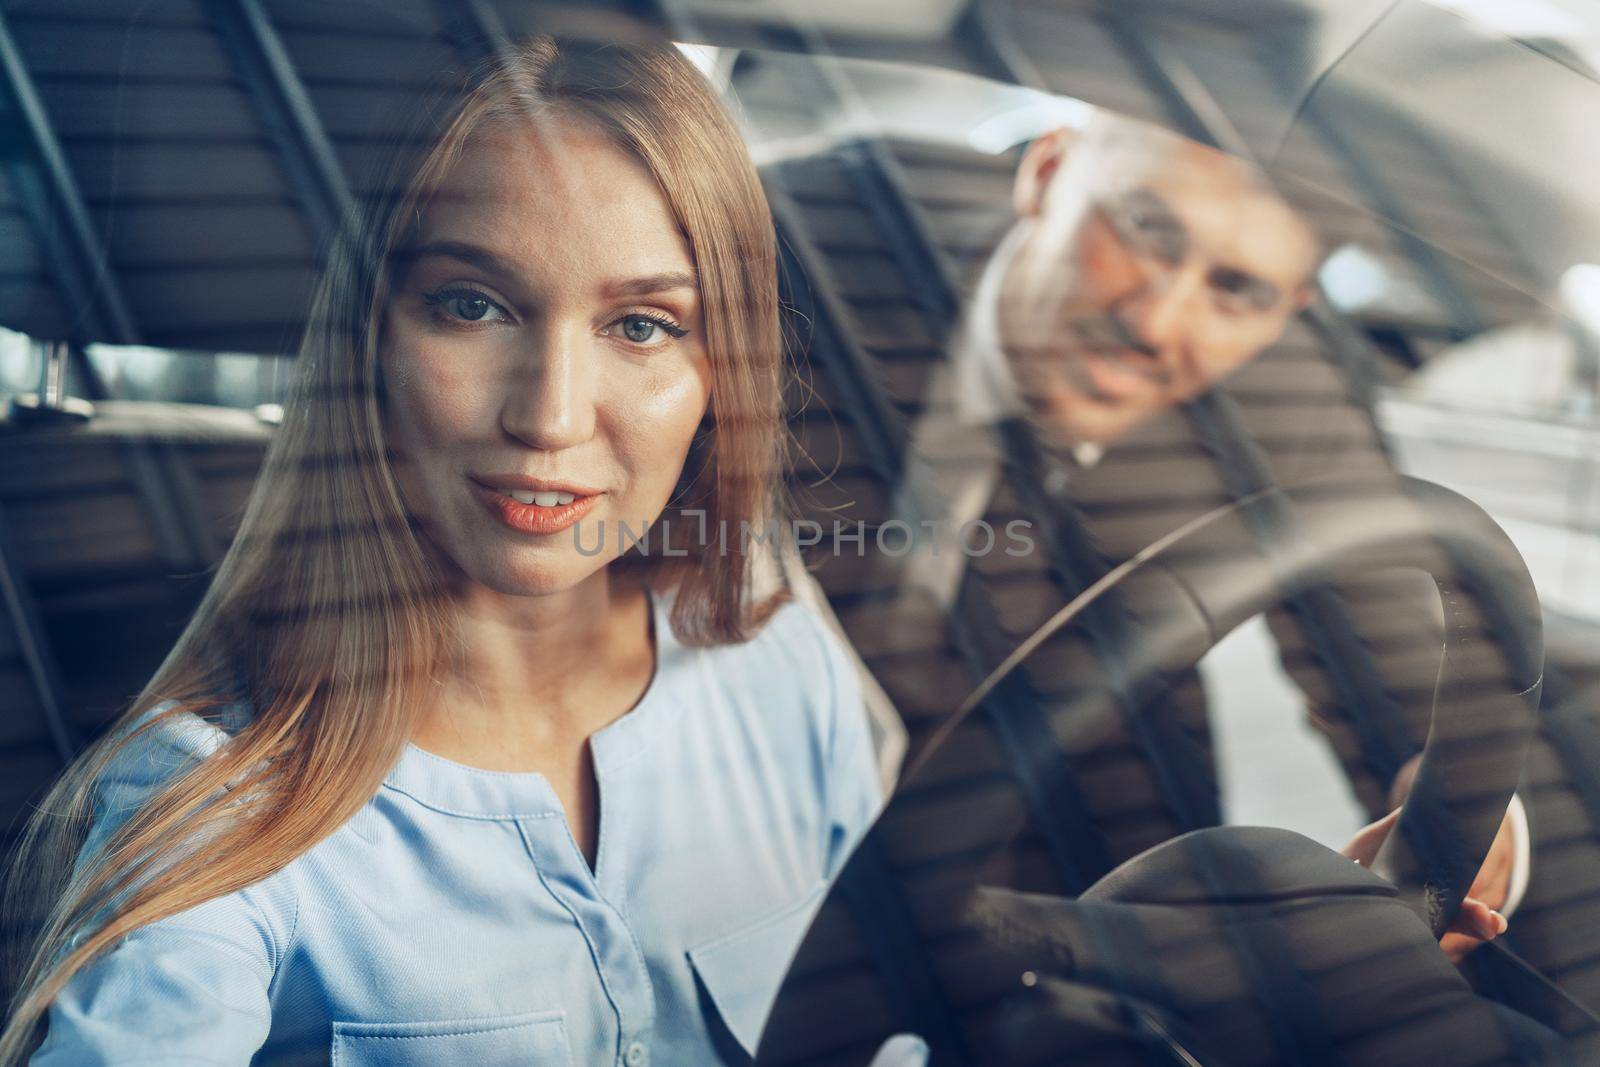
(473, 792)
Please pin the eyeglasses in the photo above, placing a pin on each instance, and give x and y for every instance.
(1151, 231)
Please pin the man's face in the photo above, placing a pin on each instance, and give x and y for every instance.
(1125, 301)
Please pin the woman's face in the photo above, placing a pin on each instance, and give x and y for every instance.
(543, 356)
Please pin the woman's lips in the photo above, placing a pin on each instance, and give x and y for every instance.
(533, 518)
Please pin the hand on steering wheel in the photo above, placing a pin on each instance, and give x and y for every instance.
(1216, 893)
(1478, 920)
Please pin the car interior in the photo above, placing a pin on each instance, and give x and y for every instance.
(1119, 764)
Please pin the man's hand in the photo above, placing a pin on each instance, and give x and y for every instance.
(1479, 919)
(1493, 884)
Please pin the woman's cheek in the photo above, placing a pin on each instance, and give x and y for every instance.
(654, 425)
(443, 398)
(674, 397)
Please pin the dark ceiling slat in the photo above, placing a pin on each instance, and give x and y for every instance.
(49, 195)
(138, 52)
(22, 258)
(37, 656)
(177, 174)
(280, 98)
(185, 235)
(122, 13)
(34, 302)
(111, 140)
(126, 112)
(215, 260)
(385, 112)
(257, 336)
(203, 296)
(473, 27)
(38, 170)
(366, 18)
(325, 58)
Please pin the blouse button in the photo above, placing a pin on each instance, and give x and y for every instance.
(636, 1055)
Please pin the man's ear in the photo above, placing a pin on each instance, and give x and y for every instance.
(1038, 168)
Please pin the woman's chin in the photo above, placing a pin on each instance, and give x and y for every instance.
(545, 575)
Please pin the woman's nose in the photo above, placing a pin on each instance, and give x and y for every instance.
(549, 395)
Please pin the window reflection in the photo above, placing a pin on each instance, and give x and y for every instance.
(1370, 284)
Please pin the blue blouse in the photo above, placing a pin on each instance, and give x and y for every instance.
(454, 920)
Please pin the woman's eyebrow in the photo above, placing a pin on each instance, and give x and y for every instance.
(653, 283)
(476, 255)
(482, 258)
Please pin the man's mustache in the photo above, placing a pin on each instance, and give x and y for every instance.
(1088, 330)
(1109, 335)
(1102, 335)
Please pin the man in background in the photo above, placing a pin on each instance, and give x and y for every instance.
(1144, 271)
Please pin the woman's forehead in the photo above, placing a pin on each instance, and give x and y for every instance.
(555, 195)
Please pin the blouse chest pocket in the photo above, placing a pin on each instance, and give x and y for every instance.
(742, 970)
(534, 1039)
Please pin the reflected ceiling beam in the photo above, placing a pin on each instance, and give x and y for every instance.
(33, 645)
(474, 28)
(280, 98)
(39, 172)
(1437, 273)
(984, 30)
(1196, 114)
(37, 168)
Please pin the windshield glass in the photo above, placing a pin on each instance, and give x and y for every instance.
(930, 534)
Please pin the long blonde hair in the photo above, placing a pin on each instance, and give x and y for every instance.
(326, 615)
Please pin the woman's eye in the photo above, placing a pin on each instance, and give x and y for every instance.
(466, 305)
(647, 330)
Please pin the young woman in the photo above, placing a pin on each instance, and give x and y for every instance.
(446, 769)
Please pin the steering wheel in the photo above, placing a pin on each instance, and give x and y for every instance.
(1098, 962)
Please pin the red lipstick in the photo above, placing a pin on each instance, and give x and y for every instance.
(533, 518)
